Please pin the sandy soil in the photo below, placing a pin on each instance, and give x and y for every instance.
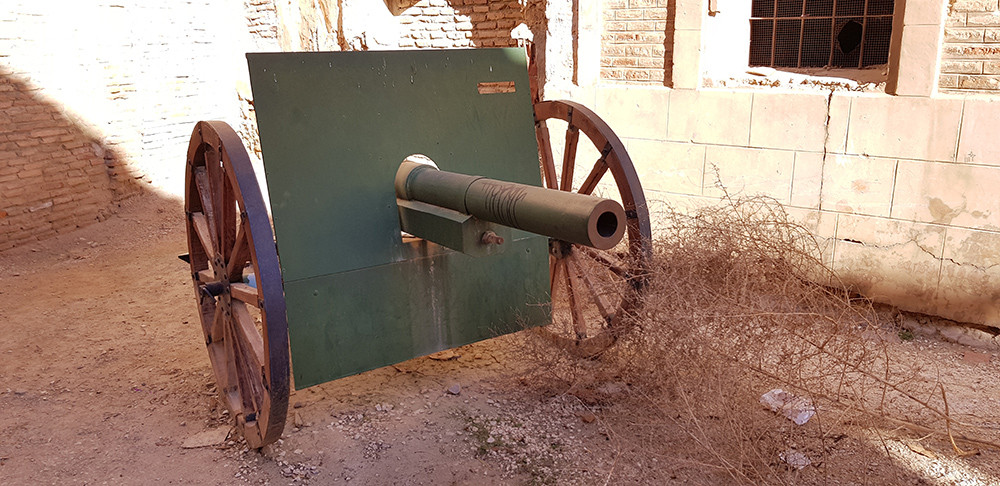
(104, 380)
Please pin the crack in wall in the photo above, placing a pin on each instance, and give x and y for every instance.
(921, 248)
(826, 142)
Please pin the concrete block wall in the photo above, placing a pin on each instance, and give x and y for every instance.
(971, 48)
(896, 186)
(636, 41)
(898, 190)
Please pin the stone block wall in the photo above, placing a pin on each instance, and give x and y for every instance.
(970, 57)
(637, 40)
(897, 190)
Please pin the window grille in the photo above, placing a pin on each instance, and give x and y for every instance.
(820, 33)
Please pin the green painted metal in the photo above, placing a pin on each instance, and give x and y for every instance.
(334, 128)
(451, 229)
(563, 215)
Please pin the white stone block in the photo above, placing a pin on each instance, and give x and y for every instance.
(970, 273)
(978, 142)
(710, 116)
(904, 127)
(947, 194)
(686, 69)
(859, 185)
(918, 61)
(634, 112)
(807, 180)
(748, 172)
(890, 261)
(837, 125)
(922, 12)
(795, 121)
(822, 228)
(689, 14)
(669, 166)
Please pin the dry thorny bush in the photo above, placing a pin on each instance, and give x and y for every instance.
(739, 302)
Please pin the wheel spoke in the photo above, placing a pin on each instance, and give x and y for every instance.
(612, 263)
(204, 232)
(545, 145)
(245, 293)
(558, 265)
(579, 325)
(215, 332)
(600, 168)
(240, 254)
(216, 180)
(598, 298)
(205, 276)
(248, 334)
(552, 271)
(248, 357)
(207, 202)
(569, 158)
(228, 223)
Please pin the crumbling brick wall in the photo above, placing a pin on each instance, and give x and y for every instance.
(99, 99)
(53, 176)
(636, 42)
(459, 23)
(970, 59)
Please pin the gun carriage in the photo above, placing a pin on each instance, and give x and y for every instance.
(384, 257)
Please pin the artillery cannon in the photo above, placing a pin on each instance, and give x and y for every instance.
(384, 259)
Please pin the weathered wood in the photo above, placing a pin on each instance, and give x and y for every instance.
(602, 289)
(229, 231)
(245, 293)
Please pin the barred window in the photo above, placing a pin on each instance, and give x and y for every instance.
(820, 33)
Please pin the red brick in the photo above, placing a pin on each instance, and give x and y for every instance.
(48, 132)
(28, 174)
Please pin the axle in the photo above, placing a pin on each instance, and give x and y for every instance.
(576, 218)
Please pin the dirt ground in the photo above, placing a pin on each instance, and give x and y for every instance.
(104, 380)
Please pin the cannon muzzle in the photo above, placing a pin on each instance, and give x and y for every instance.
(577, 218)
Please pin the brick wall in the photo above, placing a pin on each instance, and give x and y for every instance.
(52, 174)
(459, 23)
(99, 99)
(970, 58)
(635, 45)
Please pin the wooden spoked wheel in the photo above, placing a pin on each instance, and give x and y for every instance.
(229, 236)
(593, 291)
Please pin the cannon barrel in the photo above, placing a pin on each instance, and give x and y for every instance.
(577, 218)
